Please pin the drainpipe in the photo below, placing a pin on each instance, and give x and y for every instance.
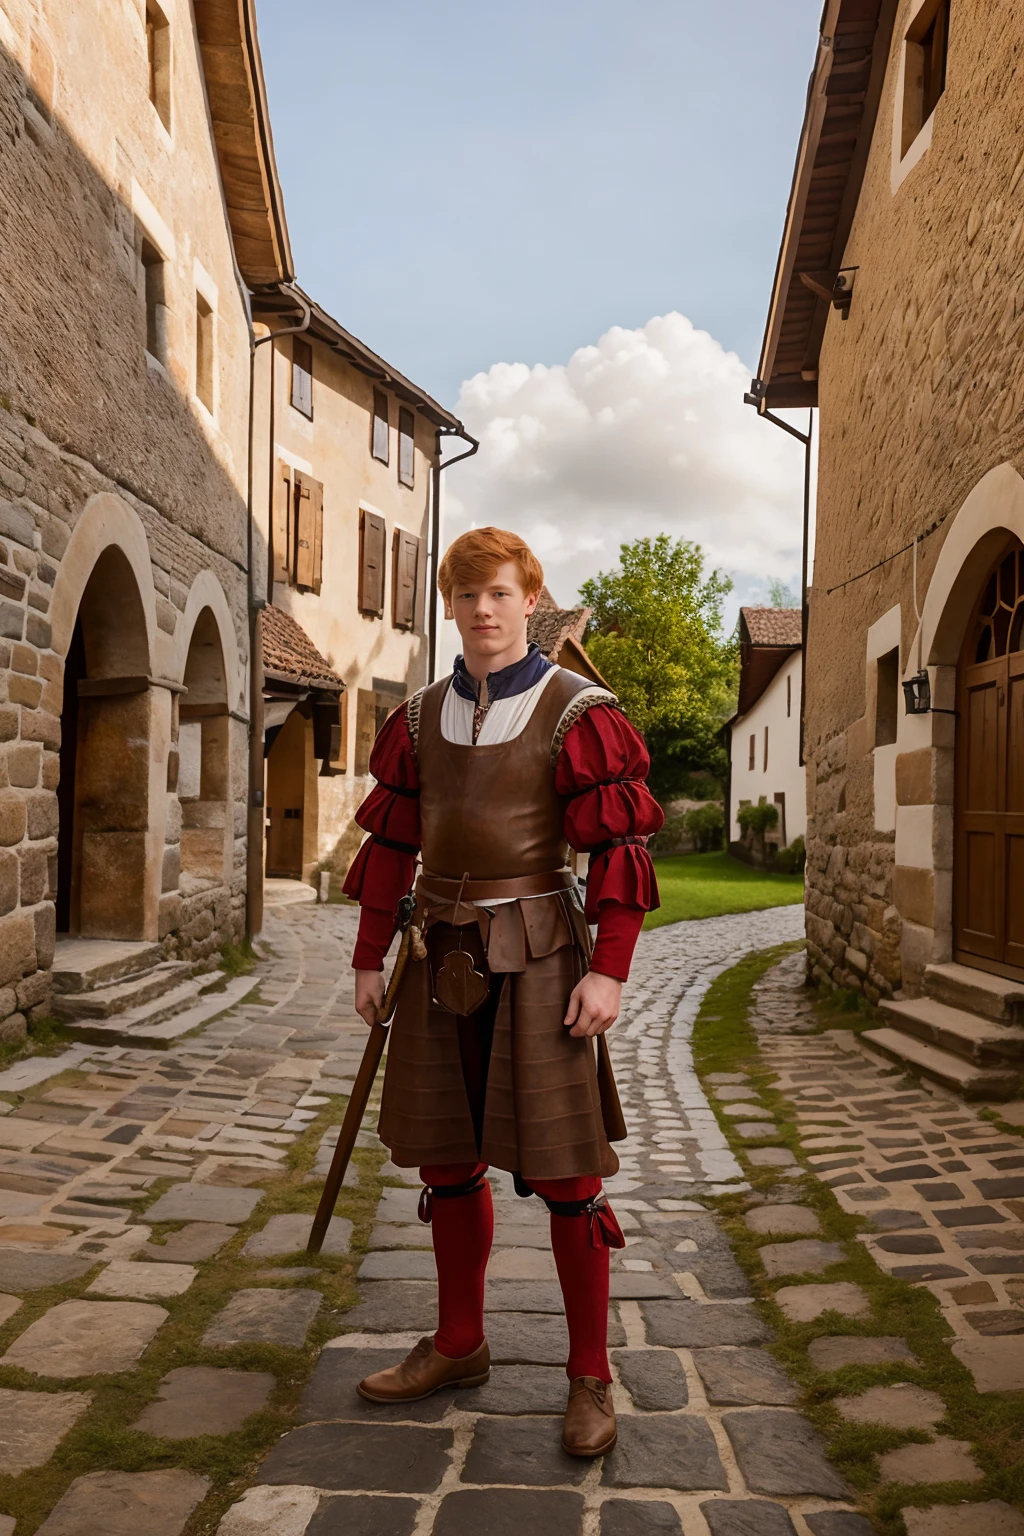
(755, 397)
(435, 535)
(256, 815)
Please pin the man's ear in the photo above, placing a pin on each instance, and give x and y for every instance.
(531, 603)
(449, 611)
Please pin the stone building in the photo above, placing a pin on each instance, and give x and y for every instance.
(763, 736)
(139, 196)
(897, 311)
(347, 524)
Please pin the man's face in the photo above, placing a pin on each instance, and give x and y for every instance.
(491, 616)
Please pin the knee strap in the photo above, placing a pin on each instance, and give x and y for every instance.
(605, 1231)
(432, 1192)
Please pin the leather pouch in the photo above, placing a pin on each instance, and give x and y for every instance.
(458, 985)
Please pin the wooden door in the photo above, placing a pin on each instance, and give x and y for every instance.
(989, 797)
(286, 781)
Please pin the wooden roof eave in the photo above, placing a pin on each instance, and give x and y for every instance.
(240, 120)
(842, 107)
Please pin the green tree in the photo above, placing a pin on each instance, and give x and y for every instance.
(655, 633)
(780, 596)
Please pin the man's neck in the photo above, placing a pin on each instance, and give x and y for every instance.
(479, 666)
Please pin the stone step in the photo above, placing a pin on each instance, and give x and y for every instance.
(156, 1022)
(953, 1072)
(81, 965)
(121, 996)
(963, 986)
(982, 1041)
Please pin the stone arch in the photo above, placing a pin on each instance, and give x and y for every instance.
(106, 522)
(207, 593)
(106, 882)
(204, 760)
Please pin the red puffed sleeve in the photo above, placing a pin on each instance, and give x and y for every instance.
(611, 813)
(383, 869)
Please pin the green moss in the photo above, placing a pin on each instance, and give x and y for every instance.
(724, 1041)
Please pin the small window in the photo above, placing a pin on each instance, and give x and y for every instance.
(766, 749)
(752, 763)
(887, 697)
(789, 694)
(380, 433)
(406, 446)
(302, 376)
(158, 52)
(924, 71)
(205, 337)
(154, 274)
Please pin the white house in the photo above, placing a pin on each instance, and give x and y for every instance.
(764, 734)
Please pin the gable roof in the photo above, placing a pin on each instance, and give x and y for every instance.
(842, 107)
(771, 626)
(550, 626)
(289, 655)
(237, 97)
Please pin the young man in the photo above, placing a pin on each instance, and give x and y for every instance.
(490, 775)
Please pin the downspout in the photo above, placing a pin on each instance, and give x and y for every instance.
(256, 815)
(435, 536)
(754, 397)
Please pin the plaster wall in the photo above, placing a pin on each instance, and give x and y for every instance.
(778, 712)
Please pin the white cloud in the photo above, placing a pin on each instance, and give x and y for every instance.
(644, 433)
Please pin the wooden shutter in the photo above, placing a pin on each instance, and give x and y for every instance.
(318, 535)
(372, 554)
(406, 446)
(405, 571)
(308, 511)
(302, 376)
(282, 522)
(379, 429)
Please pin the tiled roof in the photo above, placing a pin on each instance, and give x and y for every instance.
(289, 655)
(550, 627)
(773, 626)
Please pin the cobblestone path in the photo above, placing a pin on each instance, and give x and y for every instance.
(708, 1440)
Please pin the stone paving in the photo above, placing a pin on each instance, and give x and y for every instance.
(943, 1187)
(710, 1442)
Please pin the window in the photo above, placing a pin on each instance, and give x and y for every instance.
(158, 52)
(153, 269)
(373, 706)
(372, 550)
(302, 376)
(780, 826)
(766, 749)
(379, 434)
(752, 764)
(789, 694)
(924, 72)
(205, 334)
(887, 692)
(406, 446)
(405, 573)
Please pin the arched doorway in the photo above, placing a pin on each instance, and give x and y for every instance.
(292, 799)
(104, 789)
(988, 875)
(204, 772)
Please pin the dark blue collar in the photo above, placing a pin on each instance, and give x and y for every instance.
(517, 678)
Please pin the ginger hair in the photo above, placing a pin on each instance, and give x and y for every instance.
(476, 556)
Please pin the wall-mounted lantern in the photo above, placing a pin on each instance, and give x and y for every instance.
(917, 691)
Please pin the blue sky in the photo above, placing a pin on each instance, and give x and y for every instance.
(474, 180)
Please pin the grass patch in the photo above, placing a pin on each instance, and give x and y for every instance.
(713, 884)
(46, 1037)
(993, 1422)
(237, 959)
(104, 1440)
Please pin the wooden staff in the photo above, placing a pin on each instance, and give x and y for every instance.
(360, 1096)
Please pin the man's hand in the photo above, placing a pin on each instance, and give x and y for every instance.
(369, 995)
(593, 1006)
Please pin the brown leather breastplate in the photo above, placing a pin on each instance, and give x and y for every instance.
(492, 811)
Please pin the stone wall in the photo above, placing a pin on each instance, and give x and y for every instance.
(921, 393)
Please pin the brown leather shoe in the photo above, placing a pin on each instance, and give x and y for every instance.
(424, 1371)
(589, 1428)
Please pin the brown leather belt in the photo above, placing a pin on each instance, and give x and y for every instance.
(436, 888)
